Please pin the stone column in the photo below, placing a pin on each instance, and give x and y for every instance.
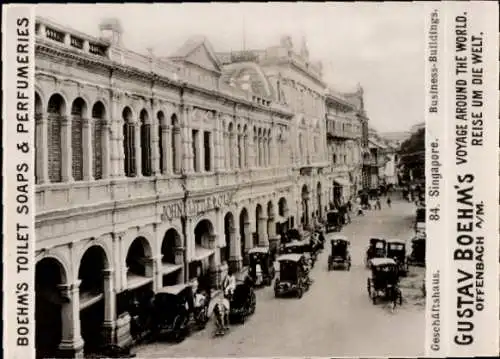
(137, 149)
(105, 148)
(263, 238)
(88, 150)
(233, 151)
(235, 258)
(187, 165)
(259, 141)
(109, 324)
(246, 162)
(167, 159)
(117, 154)
(71, 345)
(251, 151)
(248, 236)
(67, 153)
(42, 149)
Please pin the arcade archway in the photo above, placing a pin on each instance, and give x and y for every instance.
(49, 276)
(171, 258)
(319, 196)
(92, 303)
(305, 196)
(203, 261)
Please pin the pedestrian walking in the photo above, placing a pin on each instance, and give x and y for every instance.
(388, 201)
(377, 203)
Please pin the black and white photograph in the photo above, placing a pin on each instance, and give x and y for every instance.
(230, 180)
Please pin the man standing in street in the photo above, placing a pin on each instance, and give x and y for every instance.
(388, 201)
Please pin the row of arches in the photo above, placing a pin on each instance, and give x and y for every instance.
(77, 146)
(57, 297)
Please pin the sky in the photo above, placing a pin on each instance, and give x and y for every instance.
(378, 45)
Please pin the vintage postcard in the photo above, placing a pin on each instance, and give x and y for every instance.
(251, 180)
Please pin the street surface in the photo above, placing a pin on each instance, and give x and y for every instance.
(335, 318)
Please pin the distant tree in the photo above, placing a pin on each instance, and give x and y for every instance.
(412, 156)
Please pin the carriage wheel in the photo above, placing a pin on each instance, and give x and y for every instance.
(253, 303)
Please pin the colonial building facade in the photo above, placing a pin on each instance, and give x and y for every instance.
(298, 84)
(149, 171)
(344, 138)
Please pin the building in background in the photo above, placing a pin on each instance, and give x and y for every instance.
(297, 82)
(344, 139)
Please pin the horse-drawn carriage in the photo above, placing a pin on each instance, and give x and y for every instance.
(302, 247)
(339, 255)
(173, 309)
(261, 268)
(376, 249)
(242, 302)
(384, 281)
(333, 221)
(293, 275)
(417, 256)
(396, 249)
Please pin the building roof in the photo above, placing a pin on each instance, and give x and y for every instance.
(248, 76)
(194, 43)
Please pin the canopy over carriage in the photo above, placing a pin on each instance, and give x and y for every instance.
(293, 275)
(384, 280)
(339, 255)
(261, 258)
(377, 248)
(396, 249)
(172, 307)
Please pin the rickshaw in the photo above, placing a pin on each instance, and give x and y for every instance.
(301, 247)
(339, 255)
(384, 281)
(396, 249)
(293, 276)
(261, 258)
(173, 307)
(376, 249)
(333, 221)
(242, 302)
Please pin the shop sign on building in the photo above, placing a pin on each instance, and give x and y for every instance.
(173, 210)
(202, 205)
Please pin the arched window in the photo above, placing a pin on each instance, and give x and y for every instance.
(98, 118)
(176, 143)
(55, 109)
(161, 118)
(129, 143)
(77, 109)
(145, 144)
(301, 147)
(240, 150)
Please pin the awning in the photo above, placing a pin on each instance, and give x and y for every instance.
(170, 268)
(201, 253)
(135, 281)
(342, 181)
